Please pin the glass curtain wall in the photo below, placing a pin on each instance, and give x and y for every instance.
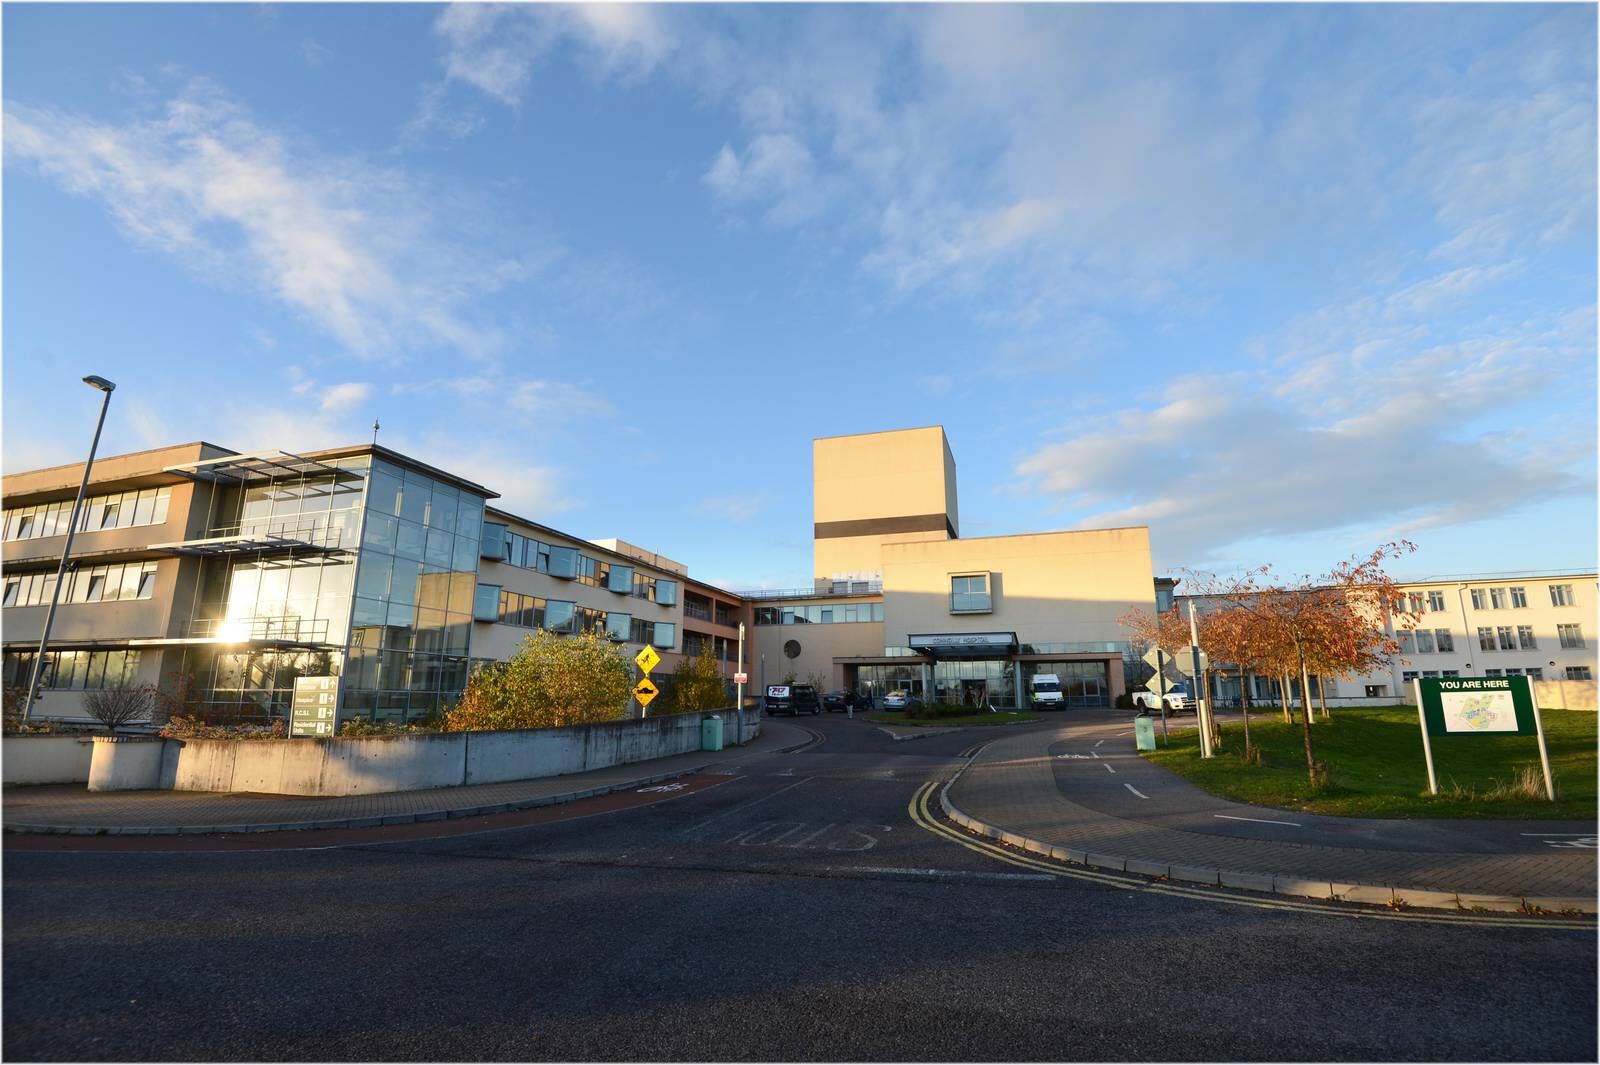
(977, 683)
(411, 622)
(265, 597)
(1084, 685)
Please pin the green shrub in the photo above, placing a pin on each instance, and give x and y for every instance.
(551, 682)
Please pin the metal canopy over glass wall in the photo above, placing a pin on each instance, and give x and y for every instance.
(411, 624)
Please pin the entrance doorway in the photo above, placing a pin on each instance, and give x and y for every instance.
(974, 693)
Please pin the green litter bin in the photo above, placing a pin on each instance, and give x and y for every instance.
(711, 733)
(1144, 732)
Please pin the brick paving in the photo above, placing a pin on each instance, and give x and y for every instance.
(1012, 786)
(69, 807)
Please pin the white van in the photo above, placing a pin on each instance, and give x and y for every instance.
(1045, 690)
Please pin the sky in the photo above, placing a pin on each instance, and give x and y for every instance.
(1281, 283)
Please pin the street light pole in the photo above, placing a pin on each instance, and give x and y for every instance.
(66, 549)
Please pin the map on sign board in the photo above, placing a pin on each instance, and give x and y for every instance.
(1481, 711)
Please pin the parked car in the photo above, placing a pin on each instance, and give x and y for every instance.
(1178, 702)
(836, 702)
(895, 701)
(793, 699)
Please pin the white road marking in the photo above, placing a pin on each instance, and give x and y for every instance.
(1095, 753)
(1136, 791)
(740, 809)
(957, 873)
(1074, 756)
(1257, 820)
(1098, 742)
(1108, 767)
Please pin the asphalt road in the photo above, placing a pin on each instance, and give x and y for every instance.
(795, 911)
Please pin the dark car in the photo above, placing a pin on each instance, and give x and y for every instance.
(834, 702)
(793, 699)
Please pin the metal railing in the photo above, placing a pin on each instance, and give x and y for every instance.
(280, 627)
(820, 590)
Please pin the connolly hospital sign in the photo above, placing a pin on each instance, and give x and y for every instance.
(1484, 706)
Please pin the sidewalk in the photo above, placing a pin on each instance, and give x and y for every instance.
(73, 809)
(1011, 792)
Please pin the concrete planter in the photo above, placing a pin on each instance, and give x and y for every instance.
(126, 763)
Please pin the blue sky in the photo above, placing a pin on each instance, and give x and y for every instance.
(1280, 282)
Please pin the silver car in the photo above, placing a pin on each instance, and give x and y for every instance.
(895, 701)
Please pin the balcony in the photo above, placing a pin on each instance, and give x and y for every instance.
(320, 534)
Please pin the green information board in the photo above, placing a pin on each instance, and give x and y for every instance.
(1486, 706)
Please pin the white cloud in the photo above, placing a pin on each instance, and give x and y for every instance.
(354, 248)
(545, 398)
(343, 396)
(730, 508)
(1396, 442)
(315, 53)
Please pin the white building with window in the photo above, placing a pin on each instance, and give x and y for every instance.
(1539, 625)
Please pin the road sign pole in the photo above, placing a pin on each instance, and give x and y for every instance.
(1427, 747)
(1161, 694)
(1544, 753)
(739, 687)
(1202, 704)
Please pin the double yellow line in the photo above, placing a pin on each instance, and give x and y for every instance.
(921, 811)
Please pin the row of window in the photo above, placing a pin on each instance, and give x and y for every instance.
(534, 612)
(724, 649)
(87, 584)
(1532, 673)
(119, 510)
(818, 615)
(568, 563)
(74, 670)
(701, 608)
(1513, 598)
(1490, 638)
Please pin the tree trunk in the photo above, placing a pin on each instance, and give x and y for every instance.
(1244, 710)
(1322, 695)
(1305, 722)
(1283, 698)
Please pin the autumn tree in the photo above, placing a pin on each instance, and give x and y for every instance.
(551, 681)
(698, 684)
(1333, 621)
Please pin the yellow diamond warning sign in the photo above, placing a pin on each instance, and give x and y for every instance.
(644, 691)
(647, 659)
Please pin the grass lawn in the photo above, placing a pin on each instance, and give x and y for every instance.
(1375, 755)
(1004, 717)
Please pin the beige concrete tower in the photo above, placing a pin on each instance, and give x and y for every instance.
(874, 487)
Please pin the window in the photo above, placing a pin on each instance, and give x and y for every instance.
(88, 584)
(1508, 642)
(1485, 639)
(765, 615)
(486, 603)
(119, 510)
(1525, 638)
(525, 611)
(563, 562)
(1418, 604)
(620, 579)
(588, 571)
(1430, 674)
(1436, 602)
(1424, 642)
(1561, 595)
(1497, 598)
(666, 633)
(83, 670)
(619, 626)
(1519, 598)
(1446, 642)
(666, 592)
(1376, 691)
(970, 594)
(1408, 676)
(1491, 672)
(560, 616)
(1571, 636)
(1579, 673)
(1536, 673)
(1408, 643)
(1447, 673)
(1480, 599)
(1513, 672)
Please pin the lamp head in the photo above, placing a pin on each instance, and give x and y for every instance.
(99, 382)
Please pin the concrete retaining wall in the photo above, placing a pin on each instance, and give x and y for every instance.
(429, 760)
(45, 759)
(1566, 694)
